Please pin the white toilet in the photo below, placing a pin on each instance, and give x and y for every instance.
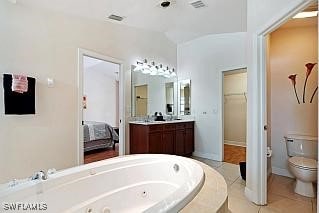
(303, 151)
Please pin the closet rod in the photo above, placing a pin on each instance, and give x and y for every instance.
(231, 94)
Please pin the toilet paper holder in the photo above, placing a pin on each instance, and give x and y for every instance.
(269, 152)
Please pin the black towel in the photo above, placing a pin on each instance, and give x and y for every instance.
(18, 103)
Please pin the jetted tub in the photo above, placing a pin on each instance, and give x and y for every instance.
(134, 183)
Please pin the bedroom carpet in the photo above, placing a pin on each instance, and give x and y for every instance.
(101, 154)
(234, 154)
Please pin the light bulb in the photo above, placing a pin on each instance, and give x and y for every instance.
(146, 67)
(154, 70)
(138, 67)
(161, 70)
(173, 73)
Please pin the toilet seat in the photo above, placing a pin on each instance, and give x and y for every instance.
(303, 163)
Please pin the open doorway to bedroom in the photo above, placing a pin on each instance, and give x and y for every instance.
(100, 113)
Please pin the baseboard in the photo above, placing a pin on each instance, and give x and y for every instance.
(281, 172)
(251, 195)
(235, 143)
(210, 156)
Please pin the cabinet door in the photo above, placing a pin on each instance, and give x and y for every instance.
(155, 143)
(168, 142)
(180, 142)
(189, 141)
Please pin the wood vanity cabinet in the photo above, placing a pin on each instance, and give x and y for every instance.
(166, 138)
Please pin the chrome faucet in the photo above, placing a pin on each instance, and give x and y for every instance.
(41, 175)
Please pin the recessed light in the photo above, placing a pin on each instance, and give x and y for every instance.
(116, 17)
(306, 14)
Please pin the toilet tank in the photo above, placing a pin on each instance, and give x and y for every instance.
(302, 145)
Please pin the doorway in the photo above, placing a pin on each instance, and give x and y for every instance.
(100, 107)
(234, 115)
(292, 104)
(141, 94)
(260, 65)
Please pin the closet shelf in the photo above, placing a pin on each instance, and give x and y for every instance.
(237, 94)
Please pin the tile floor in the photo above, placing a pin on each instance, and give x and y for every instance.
(281, 198)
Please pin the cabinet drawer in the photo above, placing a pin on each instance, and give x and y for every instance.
(180, 126)
(155, 128)
(189, 125)
(169, 127)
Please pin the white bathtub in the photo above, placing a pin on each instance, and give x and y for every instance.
(135, 183)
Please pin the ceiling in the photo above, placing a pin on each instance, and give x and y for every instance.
(303, 22)
(180, 22)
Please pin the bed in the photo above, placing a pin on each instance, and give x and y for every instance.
(98, 135)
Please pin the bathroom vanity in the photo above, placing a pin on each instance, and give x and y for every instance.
(167, 137)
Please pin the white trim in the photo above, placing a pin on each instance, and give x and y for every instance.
(235, 143)
(84, 52)
(281, 172)
(259, 166)
(251, 195)
(210, 156)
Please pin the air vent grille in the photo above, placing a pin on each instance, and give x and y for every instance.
(197, 4)
(116, 18)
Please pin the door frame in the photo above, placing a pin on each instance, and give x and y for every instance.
(259, 65)
(92, 54)
(221, 107)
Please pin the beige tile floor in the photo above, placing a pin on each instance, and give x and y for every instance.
(281, 197)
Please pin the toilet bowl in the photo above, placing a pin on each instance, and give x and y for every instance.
(302, 151)
(305, 171)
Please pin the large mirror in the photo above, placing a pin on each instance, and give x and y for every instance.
(185, 97)
(153, 93)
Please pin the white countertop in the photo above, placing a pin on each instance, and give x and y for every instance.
(160, 122)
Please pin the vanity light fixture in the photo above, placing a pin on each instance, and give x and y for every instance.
(138, 66)
(154, 69)
(173, 73)
(306, 14)
(146, 67)
(160, 70)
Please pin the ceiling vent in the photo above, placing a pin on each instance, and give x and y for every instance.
(197, 4)
(116, 18)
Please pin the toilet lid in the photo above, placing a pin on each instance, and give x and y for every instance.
(303, 162)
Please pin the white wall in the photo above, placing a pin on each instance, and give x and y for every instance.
(290, 49)
(44, 44)
(202, 60)
(100, 89)
(235, 108)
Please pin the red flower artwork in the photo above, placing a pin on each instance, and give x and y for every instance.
(293, 81)
(309, 67)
